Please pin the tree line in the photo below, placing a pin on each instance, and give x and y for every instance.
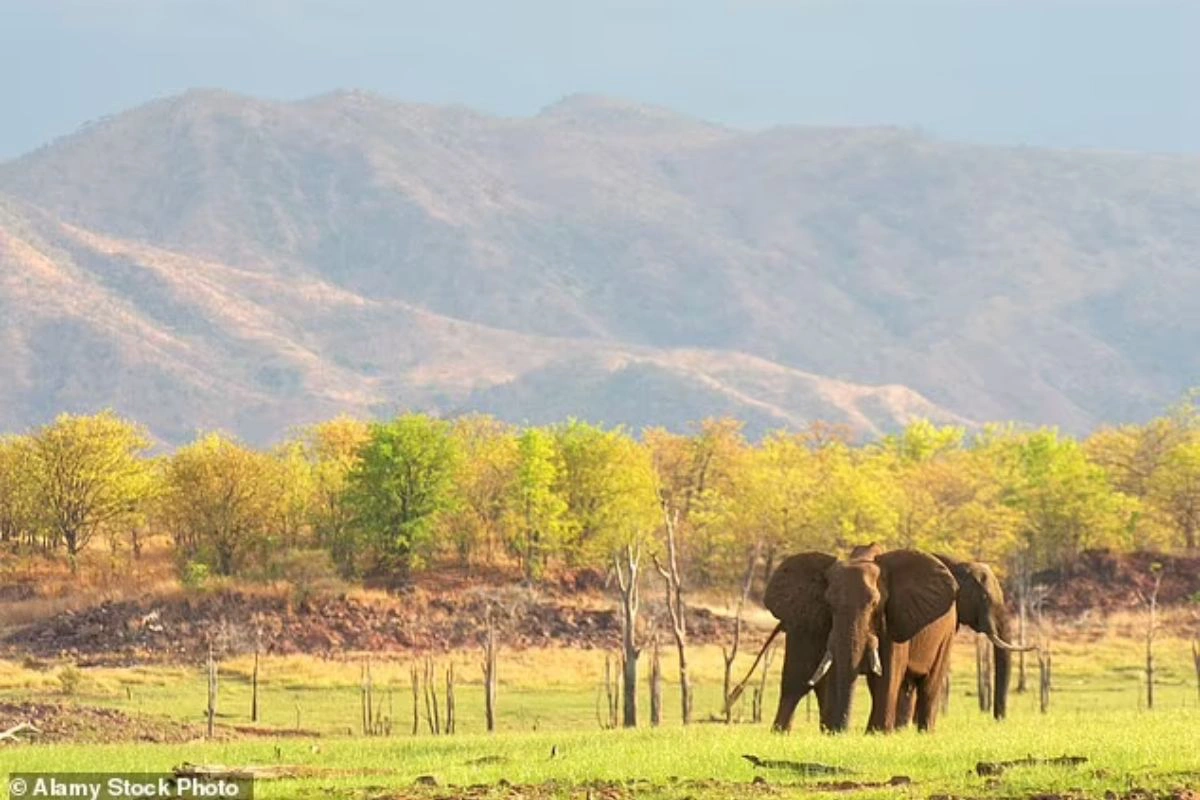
(387, 499)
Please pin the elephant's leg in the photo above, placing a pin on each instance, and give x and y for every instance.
(885, 689)
(906, 705)
(786, 710)
(929, 687)
(798, 666)
(824, 692)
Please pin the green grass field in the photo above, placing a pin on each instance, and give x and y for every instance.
(549, 700)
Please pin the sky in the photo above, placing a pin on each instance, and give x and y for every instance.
(1111, 74)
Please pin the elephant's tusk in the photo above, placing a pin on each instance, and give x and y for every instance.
(876, 664)
(1003, 645)
(822, 668)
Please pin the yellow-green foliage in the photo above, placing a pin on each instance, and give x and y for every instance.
(413, 492)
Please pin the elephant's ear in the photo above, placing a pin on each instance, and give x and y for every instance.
(795, 593)
(975, 580)
(919, 590)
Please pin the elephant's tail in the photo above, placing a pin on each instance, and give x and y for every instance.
(741, 687)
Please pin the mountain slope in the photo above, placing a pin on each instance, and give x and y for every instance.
(186, 344)
(622, 262)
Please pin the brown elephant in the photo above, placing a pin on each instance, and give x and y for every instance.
(980, 606)
(889, 616)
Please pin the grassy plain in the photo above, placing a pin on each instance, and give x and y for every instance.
(550, 742)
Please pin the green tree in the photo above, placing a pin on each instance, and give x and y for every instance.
(220, 500)
(484, 485)
(1175, 491)
(922, 441)
(855, 500)
(334, 449)
(292, 523)
(714, 456)
(18, 520)
(537, 512)
(780, 489)
(609, 485)
(1066, 502)
(90, 476)
(401, 486)
(1132, 454)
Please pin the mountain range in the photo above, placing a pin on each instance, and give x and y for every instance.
(212, 260)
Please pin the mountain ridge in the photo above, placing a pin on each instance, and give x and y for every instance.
(601, 236)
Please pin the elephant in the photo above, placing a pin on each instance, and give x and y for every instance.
(980, 606)
(890, 616)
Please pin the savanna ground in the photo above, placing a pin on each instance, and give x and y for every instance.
(550, 743)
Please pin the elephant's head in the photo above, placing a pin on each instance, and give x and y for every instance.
(981, 607)
(867, 597)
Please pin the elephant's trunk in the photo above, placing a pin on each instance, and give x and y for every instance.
(1002, 666)
(1001, 630)
(846, 654)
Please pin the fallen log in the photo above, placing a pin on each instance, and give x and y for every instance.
(854, 786)
(802, 767)
(17, 730)
(998, 767)
(222, 772)
(274, 733)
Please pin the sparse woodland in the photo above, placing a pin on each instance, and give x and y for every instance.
(351, 500)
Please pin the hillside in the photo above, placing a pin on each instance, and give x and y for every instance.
(211, 260)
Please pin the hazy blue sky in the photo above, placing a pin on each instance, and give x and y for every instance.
(1115, 74)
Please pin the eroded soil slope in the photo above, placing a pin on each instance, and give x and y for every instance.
(179, 627)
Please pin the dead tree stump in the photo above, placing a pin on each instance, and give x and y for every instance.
(655, 684)
(1044, 663)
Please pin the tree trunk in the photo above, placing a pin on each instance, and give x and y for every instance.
(685, 685)
(212, 691)
(655, 685)
(432, 707)
(727, 685)
(673, 585)
(450, 699)
(627, 581)
(489, 674)
(611, 693)
(1151, 630)
(1196, 662)
(1044, 679)
(760, 692)
(254, 683)
(415, 677)
(769, 560)
(731, 654)
(1023, 606)
(983, 677)
(1149, 676)
(629, 694)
